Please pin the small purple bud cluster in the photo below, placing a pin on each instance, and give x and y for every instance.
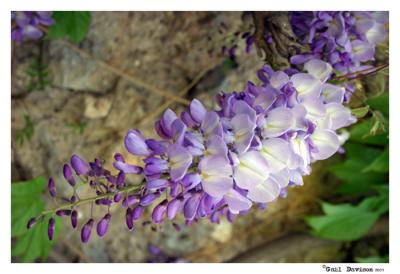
(26, 24)
(108, 189)
(210, 164)
(345, 39)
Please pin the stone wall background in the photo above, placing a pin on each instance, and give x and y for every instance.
(166, 52)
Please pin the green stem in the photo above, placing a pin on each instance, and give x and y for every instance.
(91, 199)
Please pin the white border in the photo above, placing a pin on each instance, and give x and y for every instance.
(5, 108)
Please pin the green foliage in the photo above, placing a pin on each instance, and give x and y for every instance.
(26, 132)
(342, 222)
(39, 77)
(360, 112)
(78, 127)
(364, 174)
(380, 103)
(356, 178)
(73, 25)
(373, 260)
(26, 202)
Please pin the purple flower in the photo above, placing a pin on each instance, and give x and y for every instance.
(179, 161)
(68, 175)
(215, 172)
(136, 144)
(51, 186)
(80, 166)
(125, 167)
(157, 184)
(278, 121)
(26, 24)
(164, 125)
(51, 228)
(191, 205)
(74, 218)
(173, 207)
(148, 199)
(31, 223)
(102, 225)
(155, 166)
(159, 212)
(219, 163)
(197, 111)
(129, 218)
(86, 231)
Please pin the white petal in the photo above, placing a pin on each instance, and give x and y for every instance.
(319, 69)
(307, 86)
(251, 170)
(264, 192)
(237, 202)
(276, 151)
(217, 186)
(327, 143)
(332, 93)
(278, 122)
(339, 115)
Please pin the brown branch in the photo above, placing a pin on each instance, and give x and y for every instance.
(361, 73)
(284, 43)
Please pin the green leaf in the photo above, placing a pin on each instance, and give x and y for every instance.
(360, 112)
(344, 223)
(380, 164)
(361, 133)
(380, 103)
(378, 204)
(26, 202)
(349, 172)
(71, 24)
(372, 260)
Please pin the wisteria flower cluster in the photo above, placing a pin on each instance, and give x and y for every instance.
(26, 24)
(345, 39)
(209, 164)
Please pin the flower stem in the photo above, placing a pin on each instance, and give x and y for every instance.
(91, 199)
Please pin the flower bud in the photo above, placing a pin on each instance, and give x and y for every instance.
(120, 182)
(191, 205)
(148, 199)
(63, 212)
(31, 222)
(173, 207)
(102, 225)
(129, 201)
(117, 197)
(50, 228)
(129, 218)
(214, 218)
(86, 231)
(137, 212)
(230, 216)
(74, 218)
(159, 211)
(157, 184)
(52, 188)
(80, 166)
(68, 175)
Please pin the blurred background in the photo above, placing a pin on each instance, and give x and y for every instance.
(81, 96)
